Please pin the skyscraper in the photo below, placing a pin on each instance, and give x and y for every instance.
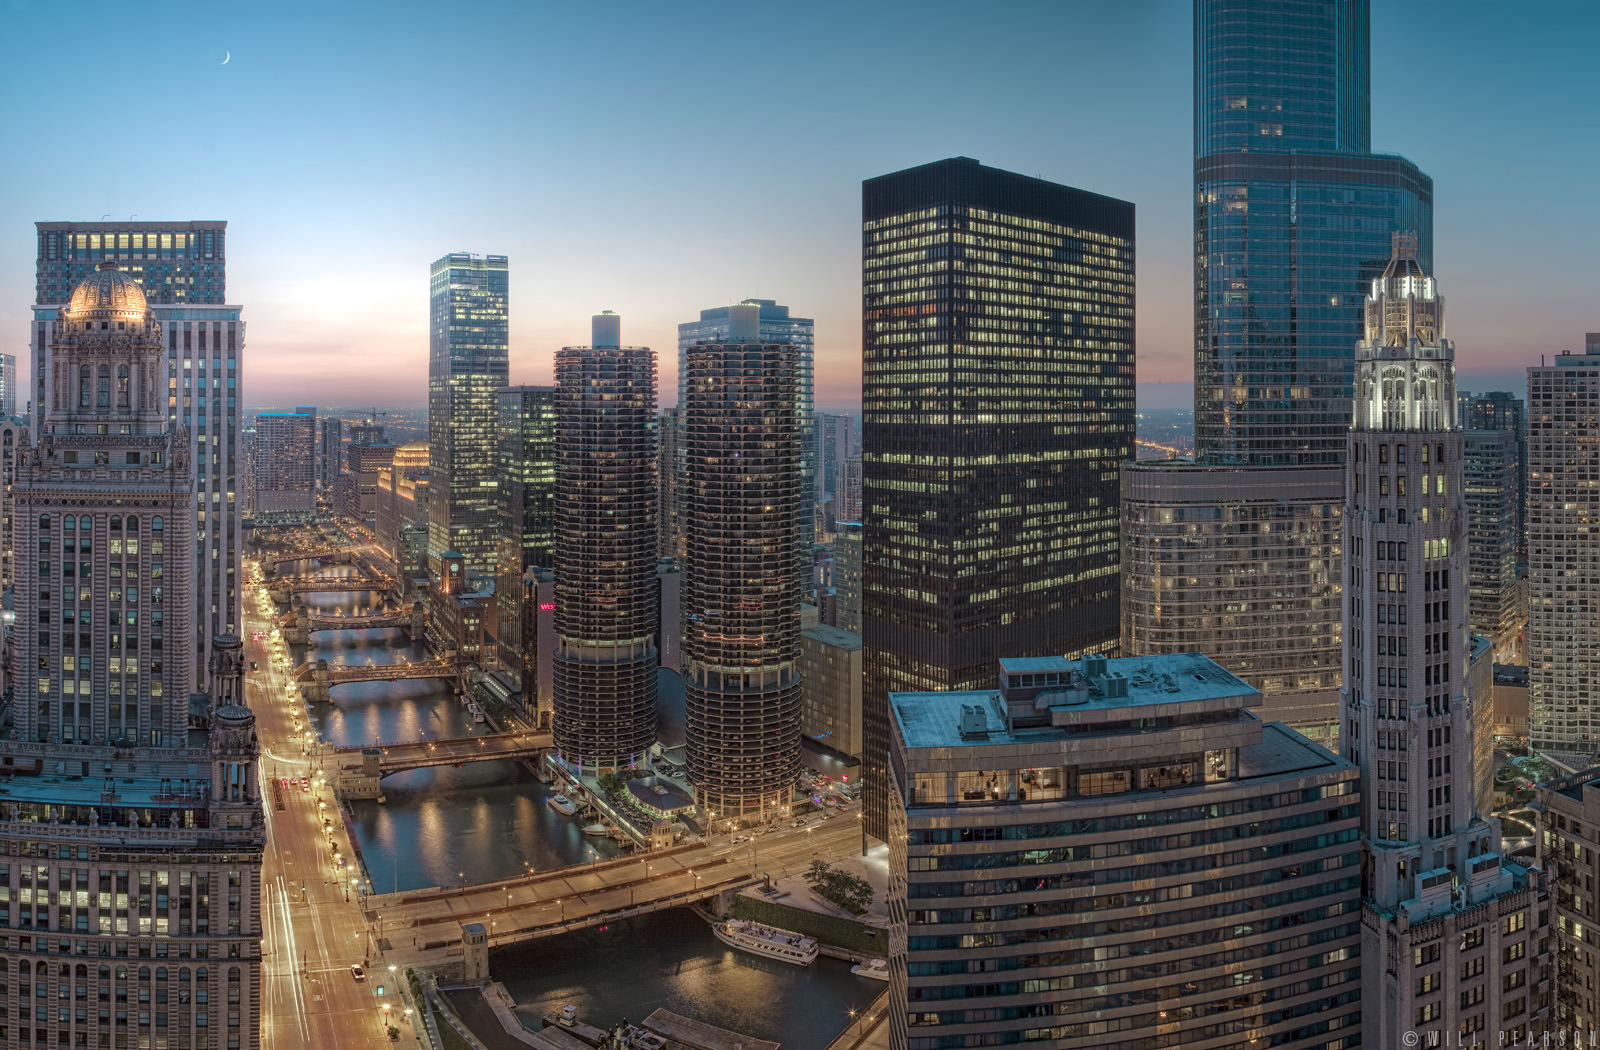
(997, 397)
(1563, 559)
(11, 431)
(1241, 564)
(527, 448)
(742, 574)
(1118, 853)
(1495, 597)
(8, 385)
(152, 879)
(370, 451)
(1293, 217)
(1499, 410)
(776, 325)
(468, 362)
(669, 469)
(1455, 939)
(286, 482)
(847, 575)
(181, 268)
(608, 614)
(330, 453)
(835, 445)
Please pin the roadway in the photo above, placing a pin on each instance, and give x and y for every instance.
(514, 743)
(311, 918)
(424, 927)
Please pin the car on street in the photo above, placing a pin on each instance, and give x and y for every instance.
(358, 973)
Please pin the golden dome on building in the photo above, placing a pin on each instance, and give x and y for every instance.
(108, 294)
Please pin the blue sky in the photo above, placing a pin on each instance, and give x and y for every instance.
(659, 158)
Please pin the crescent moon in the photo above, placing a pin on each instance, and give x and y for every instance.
(225, 60)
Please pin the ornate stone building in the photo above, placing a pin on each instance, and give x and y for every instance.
(131, 830)
(1455, 946)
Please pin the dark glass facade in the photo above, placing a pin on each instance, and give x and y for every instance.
(1293, 219)
(1281, 75)
(1501, 410)
(998, 401)
(608, 608)
(742, 576)
(468, 360)
(527, 445)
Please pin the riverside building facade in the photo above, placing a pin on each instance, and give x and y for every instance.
(1118, 854)
(997, 409)
(743, 580)
(608, 614)
(130, 847)
(1455, 935)
(181, 268)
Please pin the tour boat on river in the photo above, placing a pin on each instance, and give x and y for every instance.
(562, 804)
(757, 939)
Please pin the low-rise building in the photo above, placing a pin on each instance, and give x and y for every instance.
(830, 688)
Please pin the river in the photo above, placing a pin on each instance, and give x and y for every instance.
(670, 959)
(485, 820)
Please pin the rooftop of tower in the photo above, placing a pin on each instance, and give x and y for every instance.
(109, 294)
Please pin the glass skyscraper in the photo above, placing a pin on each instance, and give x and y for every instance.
(468, 333)
(527, 448)
(997, 399)
(1293, 218)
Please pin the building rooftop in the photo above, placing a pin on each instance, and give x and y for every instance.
(1166, 679)
(1069, 693)
(837, 637)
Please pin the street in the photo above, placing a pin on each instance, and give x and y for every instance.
(314, 931)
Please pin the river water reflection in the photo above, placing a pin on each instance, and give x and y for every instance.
(483, 819)
(670, 959)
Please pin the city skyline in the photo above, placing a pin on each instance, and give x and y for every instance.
(663, 234)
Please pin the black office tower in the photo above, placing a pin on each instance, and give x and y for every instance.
(998, 407)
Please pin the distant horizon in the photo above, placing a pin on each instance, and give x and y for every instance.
(1150, 396)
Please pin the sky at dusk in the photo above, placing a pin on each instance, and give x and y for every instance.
(655, 159)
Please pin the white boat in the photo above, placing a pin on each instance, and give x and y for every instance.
(596, 828)
(875, 969)
(562, 804)
(757, 939)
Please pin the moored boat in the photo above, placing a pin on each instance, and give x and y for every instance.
(758, 939)
(562, 804)
(596, 828)
(873, 969)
